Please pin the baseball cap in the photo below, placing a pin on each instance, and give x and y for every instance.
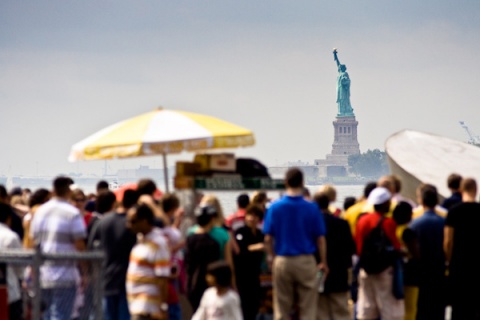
(379, 195)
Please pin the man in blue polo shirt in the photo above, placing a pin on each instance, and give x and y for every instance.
(294, 229)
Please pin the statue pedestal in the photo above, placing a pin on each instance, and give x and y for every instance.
(345, 141)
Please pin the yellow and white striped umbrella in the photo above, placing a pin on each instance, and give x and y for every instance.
(161, 132)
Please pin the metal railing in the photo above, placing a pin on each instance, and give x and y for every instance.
(35, 258)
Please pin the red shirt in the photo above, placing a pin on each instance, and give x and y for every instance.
(369, 221)
(87, 217)
(236, 220)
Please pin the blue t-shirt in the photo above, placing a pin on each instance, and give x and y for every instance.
(295, 224)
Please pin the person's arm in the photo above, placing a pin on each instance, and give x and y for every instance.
(229, 258)
(29, 242)
(94, 237)
(448, 242)
(236, 308)
(322, 249)
(269, 250)
(79, 234)
(150, 202)
(200, 314)
(257, 247)
(163, 289)
(234, 244)
(17, 269)
(162, 270)
(178, 217)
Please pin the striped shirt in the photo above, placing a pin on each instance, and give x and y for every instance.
(56, 226)
(149, 261)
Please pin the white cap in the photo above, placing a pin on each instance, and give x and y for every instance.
(379, 195)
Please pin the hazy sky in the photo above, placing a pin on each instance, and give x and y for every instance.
(70, 68)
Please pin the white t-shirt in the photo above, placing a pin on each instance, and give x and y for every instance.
(215, 307)
(10, 240)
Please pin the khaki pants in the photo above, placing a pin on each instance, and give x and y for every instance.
(375, 297)
(333, 306)
(295, 276)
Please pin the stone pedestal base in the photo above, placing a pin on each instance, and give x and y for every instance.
(345, 141)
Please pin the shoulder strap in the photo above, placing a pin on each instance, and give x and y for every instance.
(379, 223)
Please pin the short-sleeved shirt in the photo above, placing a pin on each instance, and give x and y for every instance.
(295, 224)
(117, 242)
(219, 307)
(10, 240)
(340, 249)
(248, 263)
(464, 218)
(56, 226)
(149, 261)
(365, 225)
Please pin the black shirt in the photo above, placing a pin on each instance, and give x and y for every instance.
(248, 263)
(117, 241)
(464, 218)
(340, 248)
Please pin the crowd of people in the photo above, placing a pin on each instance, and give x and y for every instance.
(380, 256)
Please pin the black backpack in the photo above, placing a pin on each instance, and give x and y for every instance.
(377, 251)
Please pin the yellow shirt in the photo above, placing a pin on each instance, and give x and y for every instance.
(352, 214)
(418, 211)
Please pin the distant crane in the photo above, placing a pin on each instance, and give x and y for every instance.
(472, 138)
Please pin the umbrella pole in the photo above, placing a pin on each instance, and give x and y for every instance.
(165, 171)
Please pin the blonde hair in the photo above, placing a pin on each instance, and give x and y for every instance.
(213, 201)
(329, 190)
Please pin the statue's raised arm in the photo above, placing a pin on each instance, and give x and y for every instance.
(335, 57)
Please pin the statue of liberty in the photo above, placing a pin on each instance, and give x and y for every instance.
(343, 89)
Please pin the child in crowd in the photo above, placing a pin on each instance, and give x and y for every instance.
(219, 301)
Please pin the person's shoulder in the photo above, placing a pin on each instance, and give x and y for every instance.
(67, 207)
(364, 217)
(338, 221)
(157, 235)
(233, 295)
(278, 203)
(241, 230)
(9, 235)
(111, 217)
(220, 232)
(45, 207)
(210, 293)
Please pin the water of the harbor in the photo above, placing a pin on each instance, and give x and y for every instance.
(228, 198)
